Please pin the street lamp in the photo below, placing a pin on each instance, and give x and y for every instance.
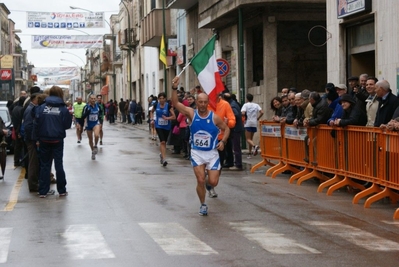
(63, 59)
(113, 47)
(65, 52)
(129, 52)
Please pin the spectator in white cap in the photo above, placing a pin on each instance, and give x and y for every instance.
(338, 111)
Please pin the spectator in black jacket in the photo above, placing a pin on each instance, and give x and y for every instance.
(122, 110)
(291, 114)
(52, 118)
(16, 118)
(320, 114)
(387, 103)
(353, 114)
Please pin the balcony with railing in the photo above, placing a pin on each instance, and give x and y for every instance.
(181, 4)
(152, 27)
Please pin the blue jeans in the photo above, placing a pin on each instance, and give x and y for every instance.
(132, 117)
(48, 152)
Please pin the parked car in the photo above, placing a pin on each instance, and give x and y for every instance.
(5, 115)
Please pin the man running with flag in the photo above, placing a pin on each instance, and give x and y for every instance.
(205, 66)
(205, 124)
(204, 129)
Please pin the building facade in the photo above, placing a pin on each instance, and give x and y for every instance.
(363, 38)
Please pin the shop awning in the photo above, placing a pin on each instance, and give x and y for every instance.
(104, 90)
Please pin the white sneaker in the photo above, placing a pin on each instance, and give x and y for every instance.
(212, 193)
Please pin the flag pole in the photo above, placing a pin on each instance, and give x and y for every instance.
(185, 67)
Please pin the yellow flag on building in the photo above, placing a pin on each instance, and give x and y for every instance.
(162, 51)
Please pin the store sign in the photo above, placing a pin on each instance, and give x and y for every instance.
(7, 62)
(66, 41)
(65, 20)
(181, 55)
(5, 75)
(349, 7)
(172, 47)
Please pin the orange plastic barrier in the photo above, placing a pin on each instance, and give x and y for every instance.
(270, 144)
(338, 157)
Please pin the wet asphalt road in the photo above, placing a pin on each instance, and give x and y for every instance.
(125, 209)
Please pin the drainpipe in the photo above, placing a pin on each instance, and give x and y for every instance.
(241, 66)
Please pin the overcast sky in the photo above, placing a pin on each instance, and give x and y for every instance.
(52, 57)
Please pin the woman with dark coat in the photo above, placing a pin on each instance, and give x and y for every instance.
(353, 115)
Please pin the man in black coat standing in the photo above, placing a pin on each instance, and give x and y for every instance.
(122, 110)
(388, 103)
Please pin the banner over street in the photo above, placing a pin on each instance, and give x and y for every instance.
(66, 41)
(65, 20)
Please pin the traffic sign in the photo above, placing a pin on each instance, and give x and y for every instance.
(223, 66)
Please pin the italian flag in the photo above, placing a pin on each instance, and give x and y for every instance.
(206, 68)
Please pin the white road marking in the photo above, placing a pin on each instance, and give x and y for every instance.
(176, 240)
(5, 239)
(357, 236)
(273, 242)
(86, 242)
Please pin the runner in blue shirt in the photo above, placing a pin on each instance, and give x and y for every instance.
(92, 113)
(204, 128)
(163, 115)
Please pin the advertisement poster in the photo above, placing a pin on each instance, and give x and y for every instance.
(172, 47)
(66, 41)
(65, 20)
(295, 133)
(57, 75)
(271, 130)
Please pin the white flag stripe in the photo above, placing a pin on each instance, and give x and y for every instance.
(176, 240)
(357, 236)
(5, 239)
(207, 75)
(273, 242)
(86, 242)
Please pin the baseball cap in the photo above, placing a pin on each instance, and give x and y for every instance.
(341, 86)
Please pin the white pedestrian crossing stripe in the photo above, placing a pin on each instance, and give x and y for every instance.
(356, 236)
(271, 241)
(174, 239)
(5, 239)
(86, 242)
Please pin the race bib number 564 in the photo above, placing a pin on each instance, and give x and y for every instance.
(202, 140)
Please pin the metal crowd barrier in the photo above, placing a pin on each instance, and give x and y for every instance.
(365, 158)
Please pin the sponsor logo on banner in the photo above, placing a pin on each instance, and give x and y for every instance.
(295, 133)
(66, 41)
(271, 130)
(65, 19)
(5, 75)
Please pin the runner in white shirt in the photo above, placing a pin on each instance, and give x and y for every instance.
(252, 112)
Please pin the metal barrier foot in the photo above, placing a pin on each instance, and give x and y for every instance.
(396, 215)
(313, 174)
(299, 174)
(387, 192)
(275, 167)
(329, 182)
(261, 164)
(371, 190)
(344, 182)
(286, 167)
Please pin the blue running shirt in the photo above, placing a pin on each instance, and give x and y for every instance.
(159, 121)
(204, 132)
(93, 116)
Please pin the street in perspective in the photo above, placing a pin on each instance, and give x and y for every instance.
(126, 209)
